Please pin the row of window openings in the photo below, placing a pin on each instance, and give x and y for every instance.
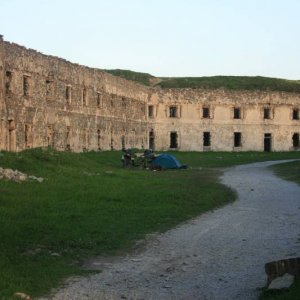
(173, 112)
(68, 97)
(68, 138)
(237, 139)
(68, 94)
(50, 138)
(8, 80)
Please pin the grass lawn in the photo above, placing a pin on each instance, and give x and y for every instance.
(289, 171)
(228, 159)
(89, 206)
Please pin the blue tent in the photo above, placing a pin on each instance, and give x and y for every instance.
(166, 161)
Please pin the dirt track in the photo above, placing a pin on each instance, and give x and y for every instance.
(219, 255)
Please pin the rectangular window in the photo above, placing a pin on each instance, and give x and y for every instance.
(25, 86)
(99, 100)
(49, 88)
(236, 113)
(68, 94)
(296, 142)
(124, 102)
(206, 139)
(295, 114)
(99, 139)
(205, 112)
(8, 79)
(150, 111)
(85, 139)
(173, 111)
(28, 135)
(84, 101)
(50, 136)
(123, 142)
(237, 139)
(173, 140)
(267, 114)
(68, 138)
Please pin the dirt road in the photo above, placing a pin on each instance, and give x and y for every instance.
(219, 255)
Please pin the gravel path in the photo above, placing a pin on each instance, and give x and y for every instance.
(219, 255)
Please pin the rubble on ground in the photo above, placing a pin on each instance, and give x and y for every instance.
(17, 176)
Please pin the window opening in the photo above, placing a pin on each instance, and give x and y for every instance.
(50, 139)
(28, 136)
(68, 138)
(173, 140)
(296, 142)
(8, 80)
(99, 139)
(295, 114)
(99, 100)
(268, 142)
(206, 139)
(84, 97)
(68, 93)
(205, 112)
(237, 113)
(25, 86)
(151, 140)
(237, 139)
(173, 111)
(150, 111)
(266, 113)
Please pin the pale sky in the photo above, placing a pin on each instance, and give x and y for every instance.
(162, 37)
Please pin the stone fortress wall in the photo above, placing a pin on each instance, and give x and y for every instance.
(224, 120)
(48, 101)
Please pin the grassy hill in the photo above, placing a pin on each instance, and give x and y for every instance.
(143, 78)
(214, 82)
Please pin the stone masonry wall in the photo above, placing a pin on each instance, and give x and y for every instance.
(51, 102)
(48, 101)
(3, 122)
(189, 124)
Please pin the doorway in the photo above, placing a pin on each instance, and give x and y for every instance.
(268, 142)
(151, 140)
(173, 140)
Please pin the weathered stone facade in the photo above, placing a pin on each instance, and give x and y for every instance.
(223, 120)
(47, 101)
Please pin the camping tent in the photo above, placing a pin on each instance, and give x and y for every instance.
(166, 161)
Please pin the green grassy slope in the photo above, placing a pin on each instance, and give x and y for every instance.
(88, 205)
(289, 171)
(214, 82)
(143, 78)
(233, 83)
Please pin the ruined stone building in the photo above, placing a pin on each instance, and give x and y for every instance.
(48, 101)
